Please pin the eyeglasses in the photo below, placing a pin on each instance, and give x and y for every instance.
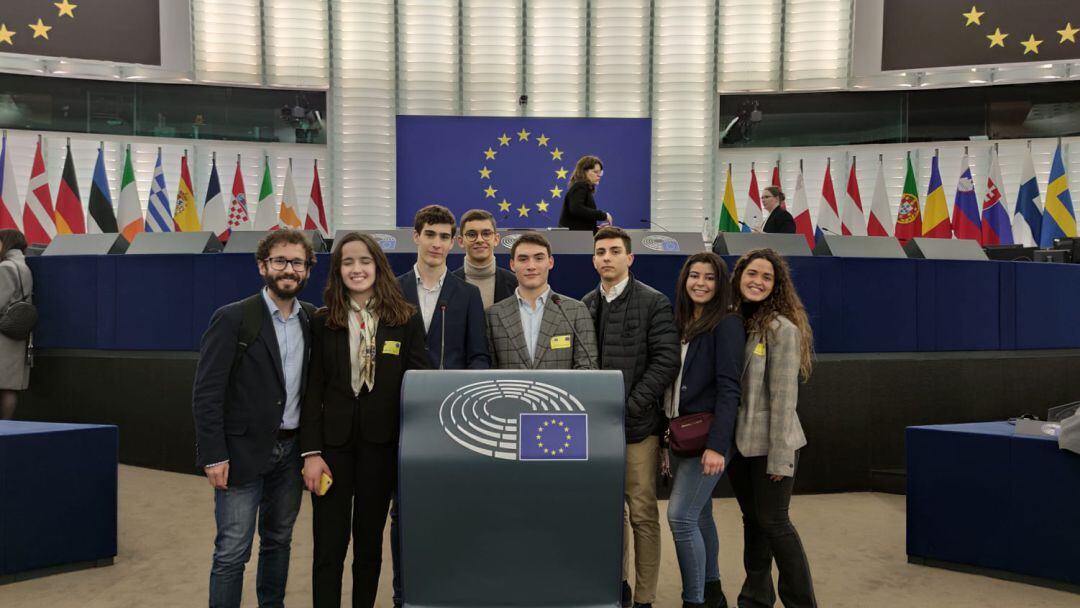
(472, 235)
(280, 264)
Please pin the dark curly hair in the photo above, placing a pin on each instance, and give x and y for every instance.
(782, 301)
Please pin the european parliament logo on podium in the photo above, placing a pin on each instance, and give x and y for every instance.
(556, 426)
(492, 461)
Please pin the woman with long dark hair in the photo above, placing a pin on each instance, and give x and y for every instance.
(16, 283)
(364, 340)
(768, 435)
(706, 392)
(579, 210)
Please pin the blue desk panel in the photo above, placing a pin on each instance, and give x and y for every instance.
(57, 494)
(980, 496)
(164, 302)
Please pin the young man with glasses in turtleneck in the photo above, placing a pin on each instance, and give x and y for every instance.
(478, 237)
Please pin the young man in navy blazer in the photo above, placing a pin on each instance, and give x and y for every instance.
(453, 314)
(249, 381)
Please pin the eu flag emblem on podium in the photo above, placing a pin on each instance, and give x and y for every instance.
(553, 436)
(520, 168)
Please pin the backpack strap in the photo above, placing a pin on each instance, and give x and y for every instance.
(252, 310)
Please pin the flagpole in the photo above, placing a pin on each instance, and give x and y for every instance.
(213, 158)
(238, 158)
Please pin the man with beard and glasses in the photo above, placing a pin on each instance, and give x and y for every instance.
(246, 400)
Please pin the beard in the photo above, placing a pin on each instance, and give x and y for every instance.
(282, 292)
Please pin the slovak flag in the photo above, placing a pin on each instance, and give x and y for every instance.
(996, 227)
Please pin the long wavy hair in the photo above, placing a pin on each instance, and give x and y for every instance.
(782, 301)
(714, 310)
(584, 164)
(389, 303)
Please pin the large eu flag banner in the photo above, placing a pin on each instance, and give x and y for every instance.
(127, 31)
(941, 33)
(519, 168)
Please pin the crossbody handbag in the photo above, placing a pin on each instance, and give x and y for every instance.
(19, 317)
(687, 435)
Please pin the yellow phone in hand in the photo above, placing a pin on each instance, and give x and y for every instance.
(325, 481)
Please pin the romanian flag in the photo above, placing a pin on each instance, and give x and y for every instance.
(729, 216)
(69, 211)
(1059, 220)
(936, 218)
(187, 215)
(909, 216)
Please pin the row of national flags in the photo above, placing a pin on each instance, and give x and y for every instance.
(41, 216)
(1032, 223)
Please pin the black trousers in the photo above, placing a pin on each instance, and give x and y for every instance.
(769, 534)
(365, 476)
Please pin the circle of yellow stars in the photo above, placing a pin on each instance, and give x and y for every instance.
(1031, 45)
(555, 449)
(523, 136)
(40, 29)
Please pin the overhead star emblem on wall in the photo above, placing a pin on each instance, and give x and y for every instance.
(524, 140)
(39, 29)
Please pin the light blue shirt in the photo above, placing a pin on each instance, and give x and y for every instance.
(531, 320)
(290, 341)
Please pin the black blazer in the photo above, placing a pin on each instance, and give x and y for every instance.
(237, 418)
(712, 379)
(329, 405)
(505, 282)
(779, 221)
(466, 333)
(579, 210)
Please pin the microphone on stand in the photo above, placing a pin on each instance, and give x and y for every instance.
(824, 229)
(557, 301)
(652, 223)
(442, 337)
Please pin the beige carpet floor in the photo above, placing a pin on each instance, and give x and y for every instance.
(855, 543)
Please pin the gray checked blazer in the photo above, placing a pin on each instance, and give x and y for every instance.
(767, 424)
(506, 338)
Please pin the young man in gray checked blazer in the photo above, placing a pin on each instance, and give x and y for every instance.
(538, 328)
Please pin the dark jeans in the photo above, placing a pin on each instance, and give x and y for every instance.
(274, 498)
(365, 476)
(769, 534)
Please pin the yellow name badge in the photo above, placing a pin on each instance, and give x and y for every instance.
(759, 350)
(391, 347)
(558, 342)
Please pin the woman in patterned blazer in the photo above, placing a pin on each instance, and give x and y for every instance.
(768, 435)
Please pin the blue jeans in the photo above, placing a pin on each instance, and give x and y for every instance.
(690, 516)
(273, 496)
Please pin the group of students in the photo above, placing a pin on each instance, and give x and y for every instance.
(287, 397)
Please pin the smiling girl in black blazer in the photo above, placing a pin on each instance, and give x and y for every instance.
(364, 341)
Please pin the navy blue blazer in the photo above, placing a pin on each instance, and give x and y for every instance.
(466, 344)
(505, 282)
(237, 418)
(712, 379)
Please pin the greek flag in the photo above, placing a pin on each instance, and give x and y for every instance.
(158, 215)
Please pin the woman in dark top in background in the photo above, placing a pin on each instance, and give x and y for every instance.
(365, 339)
(713, 341)
(579, 210)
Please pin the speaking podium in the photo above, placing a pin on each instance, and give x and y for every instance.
(510, 488)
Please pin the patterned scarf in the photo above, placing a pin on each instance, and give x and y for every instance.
(362, 327)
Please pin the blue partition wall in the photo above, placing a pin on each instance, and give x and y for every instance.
(164, 302)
